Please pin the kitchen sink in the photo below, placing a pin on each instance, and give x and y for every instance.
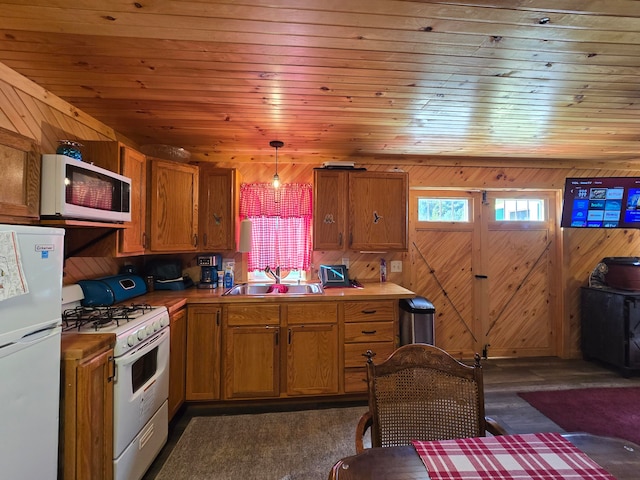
(275, 289)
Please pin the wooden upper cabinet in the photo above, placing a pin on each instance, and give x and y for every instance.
(218, 208)
(123, 242)
(20, 191)
(132, 240)
(329, 210)
(172, 206)
(378, 211)
(360, 210)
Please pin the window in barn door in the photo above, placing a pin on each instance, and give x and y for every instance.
(520, 210)
(281, 226)
(452, 209)
(448, 209)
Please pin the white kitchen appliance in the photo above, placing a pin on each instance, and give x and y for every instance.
(141, 356)
(75, 189)
(30, 298)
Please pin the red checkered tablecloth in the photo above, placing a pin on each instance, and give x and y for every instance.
(539, 456)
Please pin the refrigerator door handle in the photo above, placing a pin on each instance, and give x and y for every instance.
(29, 339)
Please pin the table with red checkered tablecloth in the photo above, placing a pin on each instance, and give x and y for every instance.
(537, 456)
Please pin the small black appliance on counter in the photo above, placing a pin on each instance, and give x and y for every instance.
(209, 265)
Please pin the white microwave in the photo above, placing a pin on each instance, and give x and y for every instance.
(73, 189)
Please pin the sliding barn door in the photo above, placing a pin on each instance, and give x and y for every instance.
(490, 275)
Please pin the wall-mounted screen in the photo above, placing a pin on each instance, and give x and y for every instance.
(601, 202)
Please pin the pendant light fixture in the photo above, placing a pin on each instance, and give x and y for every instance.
(276, 144)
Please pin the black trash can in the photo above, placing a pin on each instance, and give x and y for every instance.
(416, 321)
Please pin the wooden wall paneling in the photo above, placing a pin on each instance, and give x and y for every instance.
(82, 268)
(10, 107)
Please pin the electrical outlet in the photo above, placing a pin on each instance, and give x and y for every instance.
(345, 261)
(396, 266)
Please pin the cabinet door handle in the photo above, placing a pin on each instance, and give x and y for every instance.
(144, 240)
(289, 337)
(340, 239)
(368, 312)
(112, 366)
(277, 337)
(204, 239)
(195, 240)
(369, 332)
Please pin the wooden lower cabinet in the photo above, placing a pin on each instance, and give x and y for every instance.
(312, 349)
(286, 349)
(368, 325)
(281, 350)
(252, 351)
(203, 352)
(86, 407)
(177, 360)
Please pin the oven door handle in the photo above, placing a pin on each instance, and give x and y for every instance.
(140, 351)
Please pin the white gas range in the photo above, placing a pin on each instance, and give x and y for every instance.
(131, 323)
(141, 355)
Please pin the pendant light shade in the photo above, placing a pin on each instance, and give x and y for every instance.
(276, 144)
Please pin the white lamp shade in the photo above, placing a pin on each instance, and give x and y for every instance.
(245, 236)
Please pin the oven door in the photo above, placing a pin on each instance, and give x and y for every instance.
(140, 389)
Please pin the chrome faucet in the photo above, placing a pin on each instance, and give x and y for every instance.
(275, 275)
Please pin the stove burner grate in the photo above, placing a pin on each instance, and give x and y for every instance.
(98, 317)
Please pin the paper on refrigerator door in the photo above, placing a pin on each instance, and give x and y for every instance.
(12, 279)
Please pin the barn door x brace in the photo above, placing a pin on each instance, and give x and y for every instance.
(444, 292)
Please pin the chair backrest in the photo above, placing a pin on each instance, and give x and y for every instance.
(422, 393)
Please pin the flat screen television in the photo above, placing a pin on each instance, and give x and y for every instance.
(601, 202)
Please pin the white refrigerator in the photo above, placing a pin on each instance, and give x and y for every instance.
(30, 329)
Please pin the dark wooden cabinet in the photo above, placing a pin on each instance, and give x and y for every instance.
(610, 321)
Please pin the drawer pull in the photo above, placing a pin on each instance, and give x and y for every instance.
(369, 312)
(369, 332)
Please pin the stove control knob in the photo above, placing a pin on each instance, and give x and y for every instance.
(131, 340)
(164, 321)
(149, 330)
(141, 334)
(156, 325)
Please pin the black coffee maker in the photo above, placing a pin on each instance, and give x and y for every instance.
(209, 265)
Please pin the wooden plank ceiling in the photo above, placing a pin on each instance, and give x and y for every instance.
(553, 80)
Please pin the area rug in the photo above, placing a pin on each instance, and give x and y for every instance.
(612, 412)
(300, 445)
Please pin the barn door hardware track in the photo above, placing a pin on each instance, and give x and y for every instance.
(522, 282)
(444, 292)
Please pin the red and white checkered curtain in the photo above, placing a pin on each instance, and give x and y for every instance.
(281, 224)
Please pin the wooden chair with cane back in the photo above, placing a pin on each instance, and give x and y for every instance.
(420, 392)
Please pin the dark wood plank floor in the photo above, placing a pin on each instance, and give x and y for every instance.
(503, 379)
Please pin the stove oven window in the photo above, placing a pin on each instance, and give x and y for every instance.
(143, 369)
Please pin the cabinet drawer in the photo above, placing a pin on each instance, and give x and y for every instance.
(355, 380)
(370, 311)
(353, 353)
(317, 312)
(253, 314)
(368, 332)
